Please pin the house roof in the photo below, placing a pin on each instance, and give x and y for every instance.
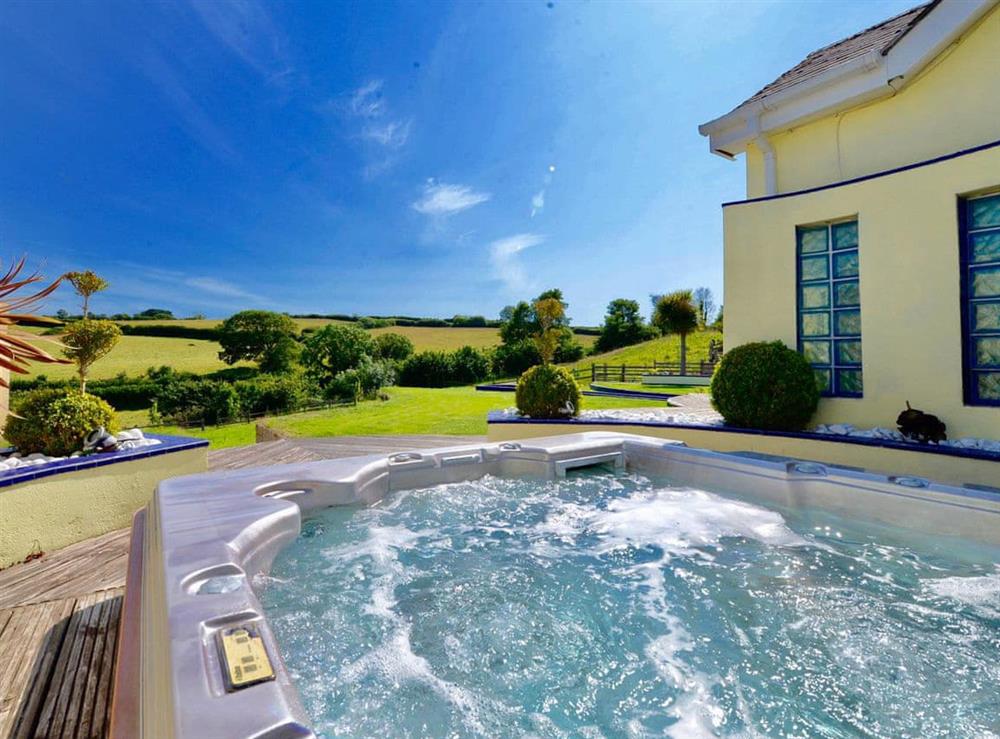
(875, 63)
(880, 38)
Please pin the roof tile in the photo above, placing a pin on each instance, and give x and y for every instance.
(880, 37)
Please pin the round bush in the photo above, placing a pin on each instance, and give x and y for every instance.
(55, 422)
(547, 391)
(395, 347)
(427, 369)
(765, 385)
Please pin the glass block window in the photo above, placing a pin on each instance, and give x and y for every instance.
(979, 220)
(829, 303)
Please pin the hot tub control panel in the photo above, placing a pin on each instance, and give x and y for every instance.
(244, 657)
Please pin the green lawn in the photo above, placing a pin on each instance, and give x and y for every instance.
(456, 410)
(232, 434)
(664, 349)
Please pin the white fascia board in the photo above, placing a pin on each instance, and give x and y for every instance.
(846, 85)
(946, 22)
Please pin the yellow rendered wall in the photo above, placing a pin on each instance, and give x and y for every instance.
(53, 512)
(910, 301)
(952, 105)
(886, 461)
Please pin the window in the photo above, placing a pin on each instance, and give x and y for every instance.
(979, 222)
(829, 303)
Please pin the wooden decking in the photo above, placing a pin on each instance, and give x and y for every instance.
(59, 614)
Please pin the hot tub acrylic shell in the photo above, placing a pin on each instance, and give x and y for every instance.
(202, 540)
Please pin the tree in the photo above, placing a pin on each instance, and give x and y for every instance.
(86, 341)
(517, 323)
(519, 327)
(548, 312)
(86, 284)
(717, 324)
(623, 326)
(260, 336)
(394, 347)
(334, 349)
(676, 314)
(704, 301)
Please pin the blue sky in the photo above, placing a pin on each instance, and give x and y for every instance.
(424, 158)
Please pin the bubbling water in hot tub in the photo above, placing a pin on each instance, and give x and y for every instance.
(616, 605)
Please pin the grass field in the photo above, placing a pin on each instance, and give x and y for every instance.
(135, 354)
(664, 349)
(455, 410)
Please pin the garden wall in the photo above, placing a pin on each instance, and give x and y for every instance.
(48, 507)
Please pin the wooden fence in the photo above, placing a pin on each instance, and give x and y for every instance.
(634, 372)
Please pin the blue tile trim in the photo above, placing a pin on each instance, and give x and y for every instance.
(167, 445)
(947, 451)
(875, 175)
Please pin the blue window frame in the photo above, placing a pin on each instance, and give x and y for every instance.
(979, 236)
(829, 305)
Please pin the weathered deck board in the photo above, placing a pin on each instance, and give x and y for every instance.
(48, 687)
(59, 614)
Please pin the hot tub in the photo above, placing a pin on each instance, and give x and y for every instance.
(588, 584)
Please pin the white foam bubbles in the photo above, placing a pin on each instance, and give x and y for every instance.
(981, 592)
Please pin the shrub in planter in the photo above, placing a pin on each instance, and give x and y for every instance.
(547, 391)
(765, 385)
(55, 422)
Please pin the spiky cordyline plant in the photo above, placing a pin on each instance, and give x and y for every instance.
(16, 349)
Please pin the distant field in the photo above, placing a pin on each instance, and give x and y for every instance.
(135, 354)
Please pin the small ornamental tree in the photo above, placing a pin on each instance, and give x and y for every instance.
(676, 314)
(334, 349)
(86, 284)
(260, 336)
(548, 314)
(87, 341)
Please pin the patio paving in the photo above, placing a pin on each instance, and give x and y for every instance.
(59, 614)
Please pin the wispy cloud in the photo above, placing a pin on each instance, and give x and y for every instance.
(218, 287)
(504, 256)
(384, 134)
(538, 199)
(245, 28)
(442, 200)
(391, 134)
(192, 116)
(367, 101)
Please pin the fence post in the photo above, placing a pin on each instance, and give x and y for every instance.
(593, 372)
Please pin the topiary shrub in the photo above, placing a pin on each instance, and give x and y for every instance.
(547, 391)
(55, 422)
(765, 385)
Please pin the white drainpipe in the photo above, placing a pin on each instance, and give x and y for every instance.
(770, 158)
